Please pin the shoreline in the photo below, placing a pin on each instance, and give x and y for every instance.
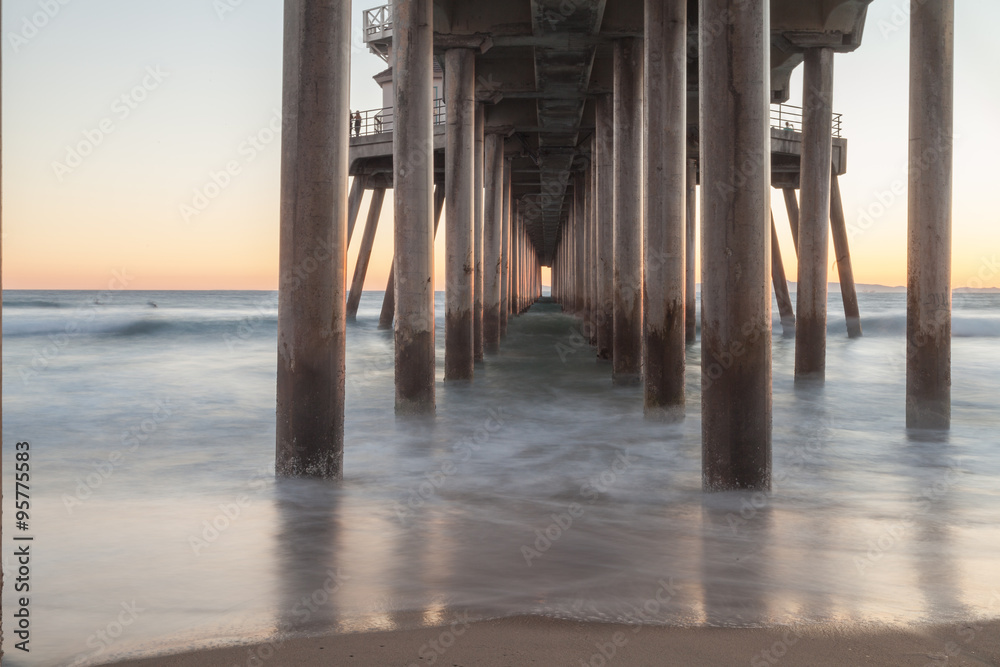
(536, 640)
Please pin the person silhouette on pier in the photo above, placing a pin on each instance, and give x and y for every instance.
(357, 123)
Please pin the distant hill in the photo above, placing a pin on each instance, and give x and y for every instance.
(861, 287)
(885, 289)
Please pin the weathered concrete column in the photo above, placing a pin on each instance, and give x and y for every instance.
(780, 283)
(627, 360)
(595, 297)
(814, 218)
(492, 239)
(842, 248)
(515, 249)
(389, 301)
(605, 192)
(735, 245)
(691, 277)
(313, 253)
(792, 207)
(477, 322)
(665, 193)
(365, 253)
(354, 205)
(928, 287)
(580, 244)
(413, 173)
(460, 204)
(505, 249)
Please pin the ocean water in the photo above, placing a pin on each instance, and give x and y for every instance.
(539, 489)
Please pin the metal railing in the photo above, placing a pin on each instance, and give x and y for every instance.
(789, 118)
(379, 121)
(378, 23)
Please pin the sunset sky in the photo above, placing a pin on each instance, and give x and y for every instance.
(163, 94)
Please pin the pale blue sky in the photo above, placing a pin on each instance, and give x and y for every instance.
(120, 207)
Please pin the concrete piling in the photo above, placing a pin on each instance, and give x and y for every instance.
(665, 187)
(928, 287)
(492, 239)
(845, 270)
(365, 253)
(605, 193)
(735, 244)
(477, 322)
(814, 218)
(313, 246)
(413, 172)
(505, 248)
(628, 133)
(460, 202)
(389, 301)
(691, 277)
(792, 207)
(781, 295)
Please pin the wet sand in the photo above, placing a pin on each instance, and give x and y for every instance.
(527, 640)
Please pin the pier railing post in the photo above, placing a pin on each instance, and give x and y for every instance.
(735, 239)
(413, 173)
(313, 253)
(928, 287)
(665, 191)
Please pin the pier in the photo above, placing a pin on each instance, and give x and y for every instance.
(577, 135)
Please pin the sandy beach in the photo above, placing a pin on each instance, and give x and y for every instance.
(528, 640)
